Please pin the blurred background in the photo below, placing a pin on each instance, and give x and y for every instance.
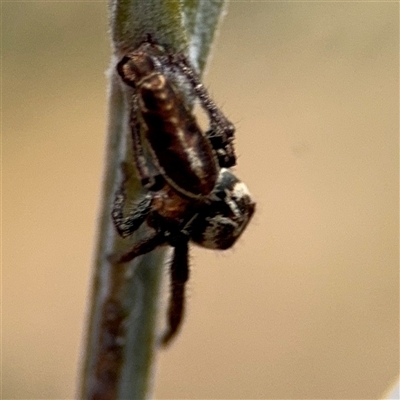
(307, 303)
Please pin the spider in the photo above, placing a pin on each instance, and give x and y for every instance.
(214, 223)
(183, 154)
(192, 195)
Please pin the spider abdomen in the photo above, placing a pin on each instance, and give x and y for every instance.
(180, 149)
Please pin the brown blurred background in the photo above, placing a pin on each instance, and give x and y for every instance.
(306, 305)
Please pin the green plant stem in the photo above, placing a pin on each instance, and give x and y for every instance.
(121, 335)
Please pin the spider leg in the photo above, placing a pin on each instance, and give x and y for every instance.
(140, 248)
(181, 62)
(221, 132)
(127, 224)
(216, 116)
(179, 275)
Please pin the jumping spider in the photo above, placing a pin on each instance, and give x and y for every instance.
(192, 196)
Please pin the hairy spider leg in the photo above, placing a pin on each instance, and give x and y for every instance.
(127, 224)
(221, 133)
(179, 271)
(142, 247)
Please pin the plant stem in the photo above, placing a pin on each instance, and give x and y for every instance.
(121, 335)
